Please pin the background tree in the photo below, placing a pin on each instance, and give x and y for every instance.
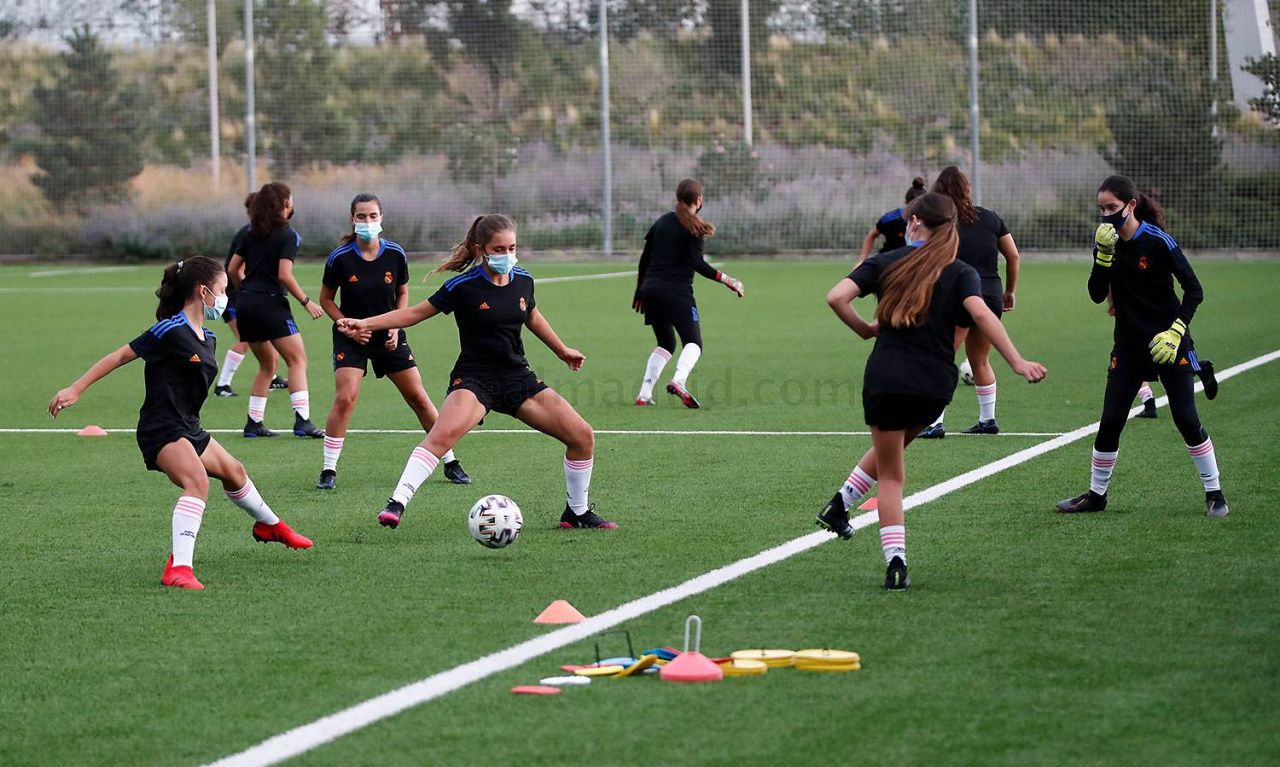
(1267, 69)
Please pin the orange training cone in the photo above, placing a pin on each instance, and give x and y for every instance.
(560, 611)
(871, 504)
(92, 431)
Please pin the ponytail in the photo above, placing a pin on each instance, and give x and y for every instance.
(917, 189)
(482, 230)
(953, 183)
(180, 281)
(687, 193)
(1148, 208)
(906, 288)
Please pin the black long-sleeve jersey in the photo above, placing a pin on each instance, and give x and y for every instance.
(671, 256)
(1140, 280)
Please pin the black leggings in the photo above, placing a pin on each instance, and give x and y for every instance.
(690, 333)
(1123, 381)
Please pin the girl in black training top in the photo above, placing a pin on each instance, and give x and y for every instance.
(891, 226)
(664, 290)
(236, 353)
(1136, 262)
(924, 295)
(263, 271)
(492, 301)
(181, 361)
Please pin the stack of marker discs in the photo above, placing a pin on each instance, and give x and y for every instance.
(744, 667)
(827, 660)
(770, 658)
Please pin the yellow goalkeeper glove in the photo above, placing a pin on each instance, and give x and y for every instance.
(1164, 347)
(1104, 241)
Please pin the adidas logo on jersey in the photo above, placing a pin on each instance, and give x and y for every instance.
(353, 278)
(194, 358)
(484, 305)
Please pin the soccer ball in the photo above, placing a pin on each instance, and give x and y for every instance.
(966, 373)
(495, 521)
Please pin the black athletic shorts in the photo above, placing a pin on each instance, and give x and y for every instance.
(995, 304)
(892, 412)
(263, 317)
(349, 354)
(229, 314)
(153, 442)
(501, 392)
(662, 308)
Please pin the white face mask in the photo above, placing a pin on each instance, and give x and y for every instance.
(219, 306)
(367, 231)
(911, 240)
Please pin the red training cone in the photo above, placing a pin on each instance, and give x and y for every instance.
(92, 430)
(560, 611)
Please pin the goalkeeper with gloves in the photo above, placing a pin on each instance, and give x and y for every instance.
(1136, 262)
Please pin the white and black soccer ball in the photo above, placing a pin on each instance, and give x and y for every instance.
(966, 373)
(495, 521)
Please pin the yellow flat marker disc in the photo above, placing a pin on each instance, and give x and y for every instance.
(745, 667)
(827, 656)
(828, 667)
(771, 658)
(600, 671)
(635, 668)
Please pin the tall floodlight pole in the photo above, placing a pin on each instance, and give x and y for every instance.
(746, 72)
(973, 101)
(250, 117)
(215, 149)
(604, 128)
(1213, 64)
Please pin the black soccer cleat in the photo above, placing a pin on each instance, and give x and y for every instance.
(1085, 502)
(454, 473)
(1208, 379)
(688, 399)
(390, 514)
(302, 427)
(328, 480)
(254, 428)
(896, 577)
(279, 383)
(224, 391)
(835, 517)
(935, 431)
(1148, 409)
(984, 427)
(588, 519)
(1215, 504)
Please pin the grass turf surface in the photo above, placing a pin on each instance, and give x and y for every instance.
(1144, 634)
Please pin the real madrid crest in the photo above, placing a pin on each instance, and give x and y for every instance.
(523, 305)
(387, 278)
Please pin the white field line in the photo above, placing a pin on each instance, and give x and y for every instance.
(619, 432)
(301, 739)
(77, 271)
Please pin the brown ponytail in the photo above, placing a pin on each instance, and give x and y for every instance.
(180, 280)
(687, 193)
(266, 208)
(907, 286)
(1147, 209)
(482, 230)
(953, 183)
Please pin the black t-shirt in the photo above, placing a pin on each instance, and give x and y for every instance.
(893, 227)
(231, 251)
(671, 256)
(366, 288)
(262, 257)
(490, 318)
(179, 370)
(979, 248)
(919, 360)
(1140, 280)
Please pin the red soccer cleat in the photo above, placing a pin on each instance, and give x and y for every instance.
(688, 399)
(180, 577)
(280, 533)
(641, 402)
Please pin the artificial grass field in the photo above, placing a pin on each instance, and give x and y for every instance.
(1145, 634)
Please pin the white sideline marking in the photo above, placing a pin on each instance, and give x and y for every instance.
(74, 271)
(301, 739)
(580, 277)
(619, 432)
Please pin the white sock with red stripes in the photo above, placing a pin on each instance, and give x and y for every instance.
(230, 364)
(1145, 393)
(187, 514)
(332, 450)
(658, 359)
(986, 402)
(249, 499)
(301, 404)
(856, 486)
(893, 540)
(577, 481)
(1100, 476)
(689, 357)
(416, 471)
(257, 408)
(1206, 462)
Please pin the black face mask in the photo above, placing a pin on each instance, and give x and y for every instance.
(291, 212)
(1116, 219)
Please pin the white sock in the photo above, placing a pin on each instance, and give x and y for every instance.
(577, 481)
(966, 370)
(187, 514)
(301, 404)
(658, 359)
(856, 486)
(684, 366)
(893, 540)
(420, 465)
(257, 408)
(1146, 394)
(332, 450)
(249, 499)
(987, 402)
(941, 416)
(1206, 462)
(448, 457)
(230, 364)
(1103, 465)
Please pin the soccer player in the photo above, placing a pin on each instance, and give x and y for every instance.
(372, 276)
(181, 360)
(664, 290)
(1136, 262)
(892, 226)
(491, 301)
(924, 294)
(262, 268)
(237, 351)
(983, 236)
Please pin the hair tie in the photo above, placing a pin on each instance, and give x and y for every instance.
(179, 266)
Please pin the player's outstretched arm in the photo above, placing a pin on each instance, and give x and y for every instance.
(840, 299)
(398, 318)
(70, 395)
(1034, 372)
(868, 243)
(538, 325)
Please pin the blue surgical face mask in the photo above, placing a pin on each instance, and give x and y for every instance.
(504, 263)
(219, 306)
(367, 231)
(911, 243)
